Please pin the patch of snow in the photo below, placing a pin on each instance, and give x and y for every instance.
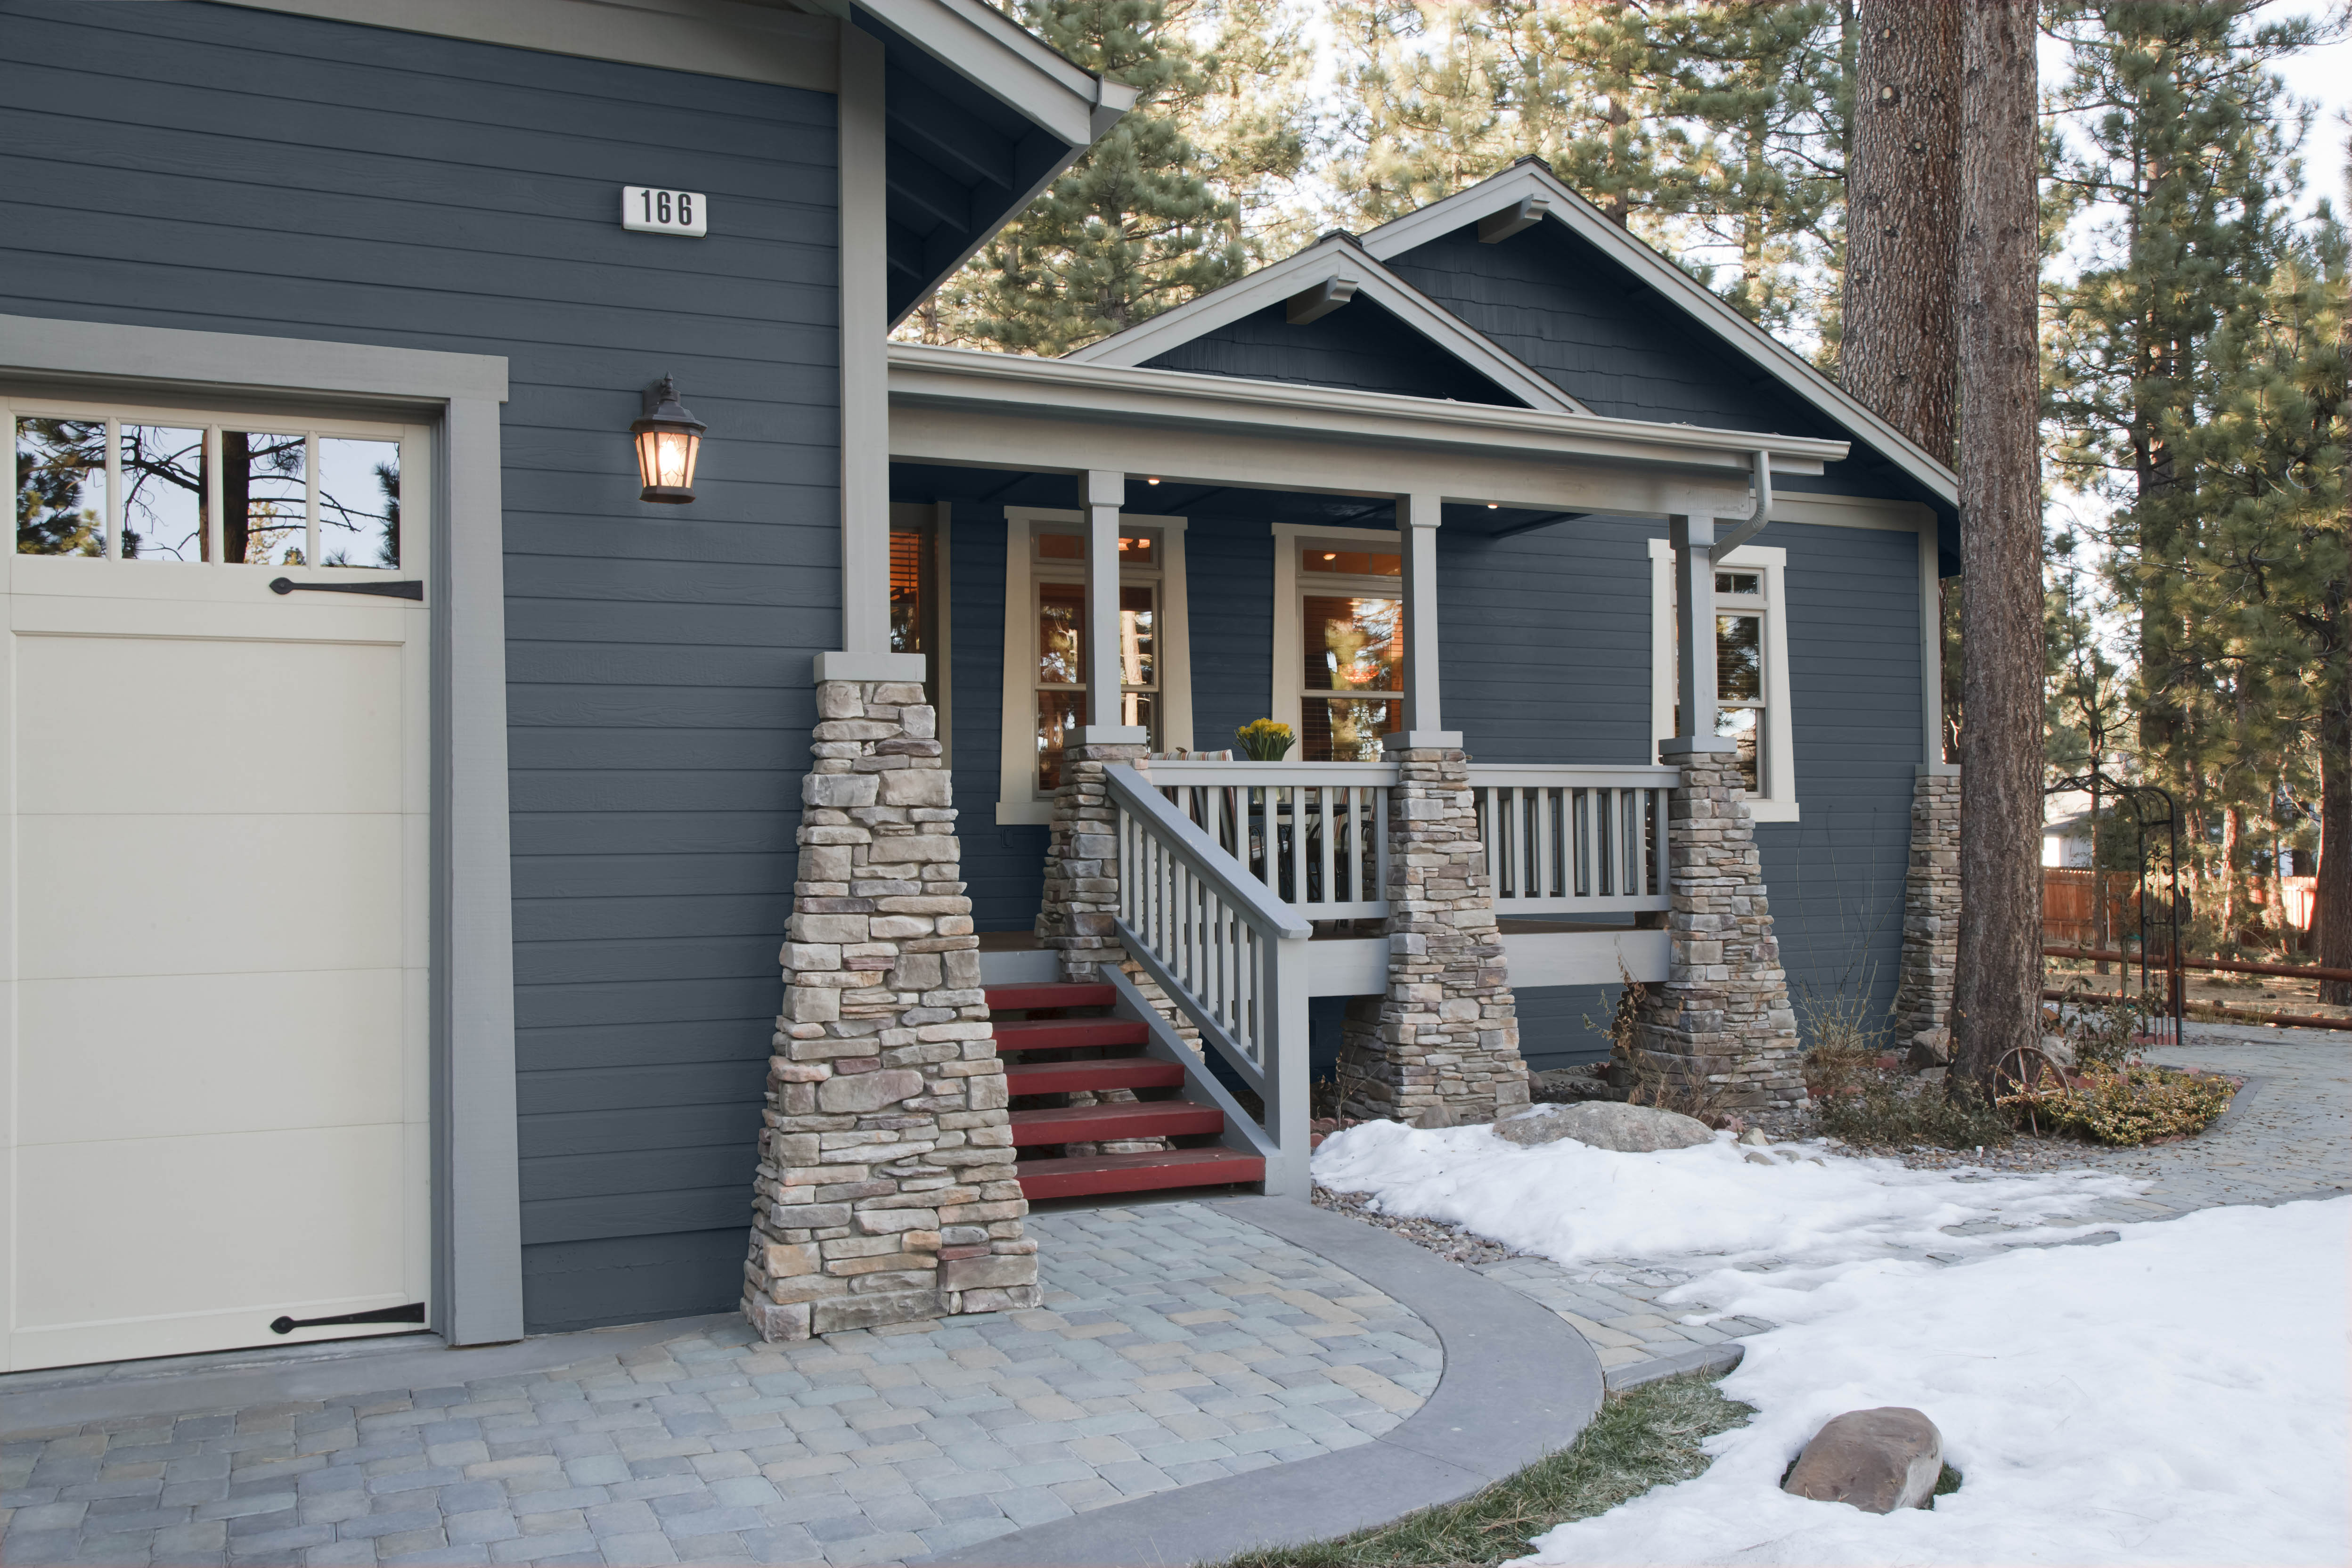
(2180, 1396)
(1705, 1204)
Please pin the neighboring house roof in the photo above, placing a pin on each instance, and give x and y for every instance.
(1334, 273)
(1529, 193)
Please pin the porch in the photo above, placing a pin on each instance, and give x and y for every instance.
(1343, 569)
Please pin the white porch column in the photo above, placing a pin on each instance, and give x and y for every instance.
(1418, 517)
(1106, 494)
(1693, 539)
(865, 357)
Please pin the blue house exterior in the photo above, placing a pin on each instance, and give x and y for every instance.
(399, 216)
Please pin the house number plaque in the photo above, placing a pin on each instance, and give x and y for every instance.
(649, 209)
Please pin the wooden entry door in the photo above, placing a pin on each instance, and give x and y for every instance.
(217, 868)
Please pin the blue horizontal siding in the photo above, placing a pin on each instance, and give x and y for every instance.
(227, 169)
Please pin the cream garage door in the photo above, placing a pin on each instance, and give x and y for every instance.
(217, 865)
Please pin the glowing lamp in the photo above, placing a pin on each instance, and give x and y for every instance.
(668, 439)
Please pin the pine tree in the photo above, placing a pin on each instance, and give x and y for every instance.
(1996, 985)
(1705, 128)
(1184, 194)
(2180, 157)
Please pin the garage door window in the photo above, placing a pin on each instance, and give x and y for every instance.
(132, 485)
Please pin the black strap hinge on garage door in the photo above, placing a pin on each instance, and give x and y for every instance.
(408, 588)
(411, 1313)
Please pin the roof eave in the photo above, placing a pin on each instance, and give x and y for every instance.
(1589, 223)
(921, 373)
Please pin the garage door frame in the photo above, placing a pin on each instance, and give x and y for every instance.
(477, 1220)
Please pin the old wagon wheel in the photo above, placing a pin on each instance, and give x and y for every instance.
(2020, 1070)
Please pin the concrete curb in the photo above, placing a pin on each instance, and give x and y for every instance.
(42, 1401)
(1519, 1384)
(1713, 1360)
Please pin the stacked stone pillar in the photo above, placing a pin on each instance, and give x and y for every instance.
(1720, 1030)
(1082, 862)
(885, 1192)
(1931, 906)
(1075, 918)
(1441, 1047)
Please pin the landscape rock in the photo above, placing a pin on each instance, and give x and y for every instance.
(1930, 1049)
(2059, 1049)
(1605, 1124)
(1754, 1138)
(1878, 1461)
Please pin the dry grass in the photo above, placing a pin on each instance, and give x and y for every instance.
(1643, 1437)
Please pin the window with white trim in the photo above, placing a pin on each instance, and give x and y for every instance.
(1752, 669)
(1045, 646)
(1338, 635)
(145, 484)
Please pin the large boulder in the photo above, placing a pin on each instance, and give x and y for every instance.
(1878, 1461)
(1605, 1124)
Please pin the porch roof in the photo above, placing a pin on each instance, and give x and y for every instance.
(968, 408)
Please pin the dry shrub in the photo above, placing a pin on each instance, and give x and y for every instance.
(1638, 1080)
(2128, 1105)
(1857, 1098)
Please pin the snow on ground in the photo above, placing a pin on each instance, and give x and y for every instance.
(2180, 1396)
(1574, 1203)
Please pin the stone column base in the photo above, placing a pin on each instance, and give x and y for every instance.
(885, 1192)
(1441, 1047)
(1931, 906)
(1719, 1034)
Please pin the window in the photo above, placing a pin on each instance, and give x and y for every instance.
(1046, 646)
(136, 485)
(1352, 641)
(1751, 680)
(1339, 631)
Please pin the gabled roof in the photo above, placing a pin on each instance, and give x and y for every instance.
(1325, 277)
(1529, 193)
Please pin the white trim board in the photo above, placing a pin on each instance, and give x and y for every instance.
(1778, 801)
(1014, 797)
(1339, 260)
(478, 1241)
(1530, 179)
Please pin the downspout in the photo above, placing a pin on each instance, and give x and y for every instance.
(1756, 519)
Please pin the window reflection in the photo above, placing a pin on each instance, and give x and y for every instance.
(1354, 644)
(60, 487)
(359, 502)
(265, 498)
(163, 483)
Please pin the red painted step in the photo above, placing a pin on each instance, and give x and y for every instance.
(1029, 998)
(1062, 1034)
(1069, 1077)
(1074, 1178)
(1135, 1118)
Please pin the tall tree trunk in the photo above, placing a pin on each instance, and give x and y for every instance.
(1903, 198)
(1997, 986)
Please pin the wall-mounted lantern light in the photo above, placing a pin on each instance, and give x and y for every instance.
(669, 439)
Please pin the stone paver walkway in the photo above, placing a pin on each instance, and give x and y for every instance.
(1177, 1344)
(2291, 1137)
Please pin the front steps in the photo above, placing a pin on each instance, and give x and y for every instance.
(1059, 1039)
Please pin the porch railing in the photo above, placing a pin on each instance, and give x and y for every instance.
(1573, 841)
(1314, 834)
(1560, 841)
(1228, 953)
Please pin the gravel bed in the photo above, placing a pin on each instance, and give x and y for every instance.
(1450, 1242)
